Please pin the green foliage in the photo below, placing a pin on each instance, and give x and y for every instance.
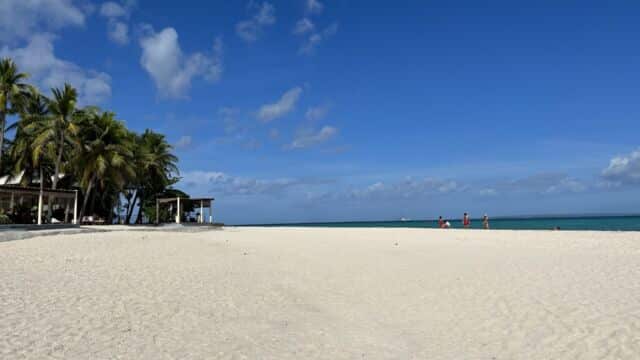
(88, 148)
(149, 206)
(13, 93)
(4, 218)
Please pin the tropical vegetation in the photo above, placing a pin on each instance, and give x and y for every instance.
(55, 143)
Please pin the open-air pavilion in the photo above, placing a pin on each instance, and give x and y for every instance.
(32, 202)
(178, 205)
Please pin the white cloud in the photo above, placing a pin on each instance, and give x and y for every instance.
(316, 38)
(623, 170)
(316, 113)
(222, 183)
(183, 142)
(117, 29)
(21, 19)
(283, 106)
(112, 9)
(314, 6)
(487, 192)
(542, 183)
(118, 32)
(229, 118)
(39, 60)
(303, 26)
(566, 185)
(173, 71)
(408, 188)
(307, 139)
(249, 30)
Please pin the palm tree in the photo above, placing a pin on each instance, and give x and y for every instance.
(22, 150)
(12, 94)
(103, 157)
(56, 131)
(156, 169)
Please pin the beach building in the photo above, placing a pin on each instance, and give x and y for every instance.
(28, 205)
(186, 209)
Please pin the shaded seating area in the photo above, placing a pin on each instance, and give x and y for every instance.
(30, 205)
(184, 210)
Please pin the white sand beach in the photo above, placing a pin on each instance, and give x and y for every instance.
(294, 293)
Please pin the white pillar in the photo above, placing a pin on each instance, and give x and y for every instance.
(40, 208)
(11, 203)
(201, 212)
(179, 214)
(75, 209)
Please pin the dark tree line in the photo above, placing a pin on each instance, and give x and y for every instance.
(61, 145)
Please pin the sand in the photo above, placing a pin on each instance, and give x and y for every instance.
(287, 293)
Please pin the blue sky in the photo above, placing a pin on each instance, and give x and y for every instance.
(325, 110)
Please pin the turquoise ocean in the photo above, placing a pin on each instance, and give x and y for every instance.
(598, 223)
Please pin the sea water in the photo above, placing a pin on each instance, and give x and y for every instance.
(598, 223)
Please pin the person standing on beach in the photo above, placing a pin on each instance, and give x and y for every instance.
(440, 222)
(485, 222)
(466, 222)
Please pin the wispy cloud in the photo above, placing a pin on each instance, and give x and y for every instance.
(487, 192)
(314, 7)
(22, 19)
(38, 58)
(229, 119)
(249, 30)
(311, 138)
(283, 106)
(316, 38)
(222, 183)
(183, 142)
(623, 170)
(173, 71)
(303, 26)
(407, 188)
(116, 15)
(316, 113)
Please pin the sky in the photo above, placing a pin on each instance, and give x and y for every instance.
(319, 110)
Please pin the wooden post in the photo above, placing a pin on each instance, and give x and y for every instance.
(157, 211)
(179, 214)
(75, 209)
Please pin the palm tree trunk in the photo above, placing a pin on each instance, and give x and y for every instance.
(3, 118)
(111, 212)
(85, 201)
(139, 215)
(131, 207)
(56, 174)
(49, 208)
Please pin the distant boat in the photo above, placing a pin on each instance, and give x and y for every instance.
(404, 219)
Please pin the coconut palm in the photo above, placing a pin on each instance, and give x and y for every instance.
(94, 150)
(12, 94)
(55, 133)
(22, 150)
(103, 157)
(156, 169)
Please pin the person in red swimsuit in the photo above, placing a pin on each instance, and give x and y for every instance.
(440, 222)
(466, 222)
